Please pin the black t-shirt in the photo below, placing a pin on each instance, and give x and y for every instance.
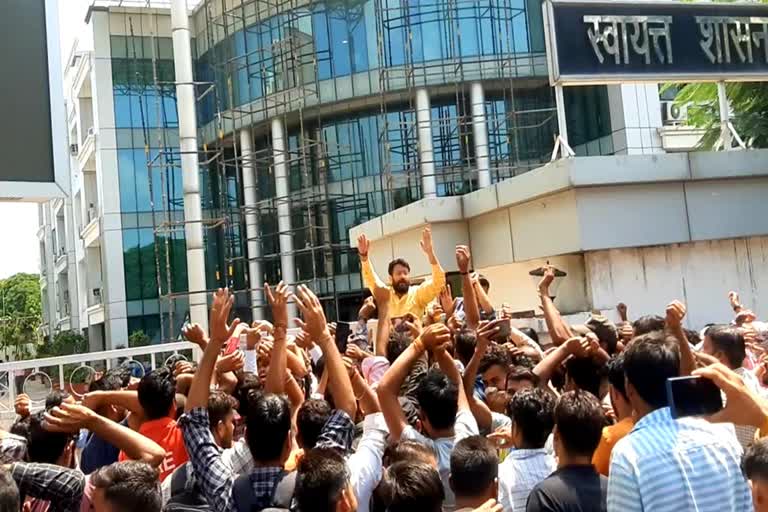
(570, 489)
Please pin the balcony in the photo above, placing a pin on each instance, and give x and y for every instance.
(91, 233)
(61, 261)
(95, 309)
(86, 152)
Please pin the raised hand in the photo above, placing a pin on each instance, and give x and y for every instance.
(546, 280)
(733, 300)
(436, 335)
(675, 314)
(381, 295)
(446, 299)
(577, 346)
(742, 406)
(355, 352)
(195, 334)
(278, 300)
(312, 311)
(363, 246)
(69, 418)
(621, 308)
(231, 363)
(302, 340)
(426, 242)
(222, 305)
(486, 332)
(350, 365)
(21, 405)
(626, 332)
(502, 437)
(183, 367)
(462, 258)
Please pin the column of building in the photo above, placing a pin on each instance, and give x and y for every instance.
(255, 272)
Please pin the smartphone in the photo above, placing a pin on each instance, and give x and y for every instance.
(243, 342)
(505, 327)
(343, 330)
(693, 396)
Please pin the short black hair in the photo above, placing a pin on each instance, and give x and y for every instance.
(484, 282)
(44, 446)
(268, 425)
(533, 412)
(579, 419)
(157, 390)
(474, 467)
(110, 381)
(408, 486)
(55, 398)
(607, 335)
(247, 383)
(585, 373)
(220, 404)
(396, 344)
(648, 323)
(649, 361)
(494, 356)
(310, 420)
(9, 493)
(408, 451)
(728, 340)
(464, 342)
(518, 373)
(754, 464)
(129, 486)
(438, 398)
(616, 374)
(321, 477)
(397, 261)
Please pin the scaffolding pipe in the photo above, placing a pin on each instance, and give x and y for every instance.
(251, 224)
(426, 152)
(287, 265)
(190, 167)
(480, 133)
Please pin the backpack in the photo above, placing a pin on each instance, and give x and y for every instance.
(282, 495)
(185, 495)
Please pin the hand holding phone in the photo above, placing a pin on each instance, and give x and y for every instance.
(693, 396)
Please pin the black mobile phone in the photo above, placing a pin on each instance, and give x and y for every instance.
(343, 330)
(693, 396)
(505, 327)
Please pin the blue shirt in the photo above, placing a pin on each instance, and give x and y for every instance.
(98, 453)
(668, 465)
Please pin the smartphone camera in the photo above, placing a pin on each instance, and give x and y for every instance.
(693, 396)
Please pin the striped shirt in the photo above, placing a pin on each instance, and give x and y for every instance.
(520, 472)
(667, 465)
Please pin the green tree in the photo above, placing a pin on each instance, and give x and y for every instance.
(138, 338)
(749, 105)
(20, 313)
(64, 343)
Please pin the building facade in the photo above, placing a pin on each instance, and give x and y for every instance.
(313, 118)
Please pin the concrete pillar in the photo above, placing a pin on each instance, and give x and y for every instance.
(190, 166)
(282, 196)
(480, 133)
(251, 226)
(635, 118)
(426, 153)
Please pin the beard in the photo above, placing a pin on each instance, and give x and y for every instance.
(401, 287)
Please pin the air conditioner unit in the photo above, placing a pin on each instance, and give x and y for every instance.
(676, 113)
(73, 149)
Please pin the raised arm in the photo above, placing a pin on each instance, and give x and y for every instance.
(442, 338)
(429, 289)
(548, 365)
(317, 326)
(70, 418)
(383, 326)
(370, 279)
(482, 298)
(275, 381)
(220, 333)
(389, 385)
(735, 302)
(479, 408)
(471, 310)
(558, 329)
(128, 400)
(674, 324)
(61, 486)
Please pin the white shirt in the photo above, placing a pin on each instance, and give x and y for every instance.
(520, 472)
(464, 427)
(364, 465)
(668, 465)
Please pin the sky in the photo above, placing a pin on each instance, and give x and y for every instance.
(18, 221)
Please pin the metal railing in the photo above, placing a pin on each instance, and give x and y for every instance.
(71, 372)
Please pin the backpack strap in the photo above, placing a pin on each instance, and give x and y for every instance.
(283, 494)
(242, 493)
(179, 479)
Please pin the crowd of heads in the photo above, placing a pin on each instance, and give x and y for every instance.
(438, 404)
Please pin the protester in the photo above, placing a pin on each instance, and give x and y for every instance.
(575, 486)
(433, 410)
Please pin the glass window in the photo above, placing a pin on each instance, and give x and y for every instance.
(131, 263)
(127, 181)
(339, 45)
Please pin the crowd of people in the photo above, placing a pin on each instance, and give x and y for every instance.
(440, 404)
